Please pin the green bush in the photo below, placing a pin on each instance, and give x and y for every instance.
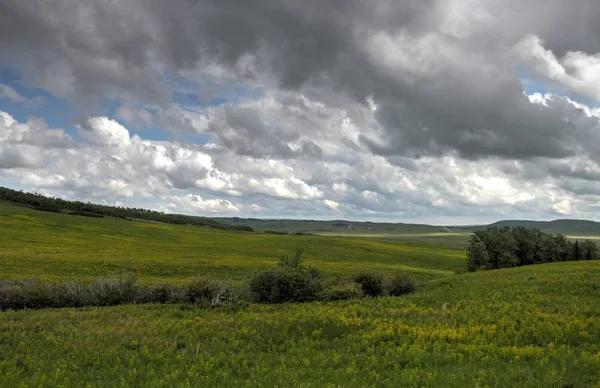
(114, 290)
(164, 293)
(200, 290)
(371, 283)
(401, 285)
(12, 297)
(281, 285)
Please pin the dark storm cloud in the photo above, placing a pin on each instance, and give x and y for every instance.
(431, 101)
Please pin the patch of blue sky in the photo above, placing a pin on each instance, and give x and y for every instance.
(58, 112)
(198, 94)
(531, 86)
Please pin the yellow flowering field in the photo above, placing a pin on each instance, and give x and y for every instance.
(536, 326)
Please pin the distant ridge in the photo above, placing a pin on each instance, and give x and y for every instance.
(573, 227)
(569, 227)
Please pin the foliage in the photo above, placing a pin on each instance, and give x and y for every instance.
(371, 283)
(343, 291)
(57, 205)
(401, 285)
(507, 247)
(282, 285)
(165, 293)
(114, 290)
(201, 289)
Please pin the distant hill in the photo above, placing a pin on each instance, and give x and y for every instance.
(336, 226)
(567, 227)
(86, 209)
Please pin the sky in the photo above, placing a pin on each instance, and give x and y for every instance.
(430, 111)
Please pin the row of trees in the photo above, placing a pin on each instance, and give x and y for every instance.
(495, 248)
(58, 205)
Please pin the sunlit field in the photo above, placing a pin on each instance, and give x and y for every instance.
(41, 245)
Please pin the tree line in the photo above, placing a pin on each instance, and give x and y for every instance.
(58, 205)
(506, 247)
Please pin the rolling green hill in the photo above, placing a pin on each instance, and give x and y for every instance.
(534, 326)
(46, 245)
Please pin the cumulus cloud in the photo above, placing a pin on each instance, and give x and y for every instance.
(378, 108)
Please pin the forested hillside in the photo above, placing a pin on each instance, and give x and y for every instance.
(58, 205)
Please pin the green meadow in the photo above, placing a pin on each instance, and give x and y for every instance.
(532, 326)
(50, 246)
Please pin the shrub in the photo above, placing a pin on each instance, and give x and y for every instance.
(200, 289)
(281, 285)
(72, 294)
(165, 293)
(114, 291)
(12, 297)
(371, 283)
(401, 285)
(343, 291)
(292, 261)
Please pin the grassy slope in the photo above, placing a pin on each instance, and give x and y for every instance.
(532, 326)
(42, 245)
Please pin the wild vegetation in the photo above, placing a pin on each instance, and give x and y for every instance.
(201, 307)
(533, 326)
(507, 247)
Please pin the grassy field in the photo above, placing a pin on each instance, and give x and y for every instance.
(525, 327)
(535, 326)
(42, 245)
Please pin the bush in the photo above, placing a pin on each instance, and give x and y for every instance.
(343, 291)
(371, 283)
(281, 285)
(201, 289)
(12, 297)
(114, 291)
(72, 294)
(165, 293)
(401, 285)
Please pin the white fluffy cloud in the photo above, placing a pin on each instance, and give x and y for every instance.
(410, 110)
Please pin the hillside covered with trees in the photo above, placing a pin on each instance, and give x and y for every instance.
(506, 247)
(58, 205)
